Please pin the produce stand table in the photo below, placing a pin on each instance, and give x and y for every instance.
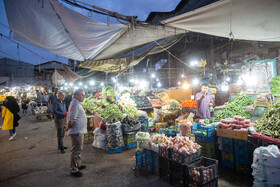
(150, 107)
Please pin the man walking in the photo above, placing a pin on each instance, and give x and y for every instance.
(77, 127)
(59, 110)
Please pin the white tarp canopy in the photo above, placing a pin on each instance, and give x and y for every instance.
(50, 25)
(239, 19)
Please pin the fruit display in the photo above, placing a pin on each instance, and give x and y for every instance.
(142, 101)
(236, 123)
(158, 138)
(155, 102)
(169, 101)
(195, 174)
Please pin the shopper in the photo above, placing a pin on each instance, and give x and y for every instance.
(204, 102)
(10, 116)
(24, 103)
(59, 111)
(68, 100)
(77, 127)
(45, 98)
(39, 99)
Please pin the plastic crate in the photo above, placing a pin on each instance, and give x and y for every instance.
(205, 138)
(130, 145)
(172, 132)
(228, 156)
(213, 183)
(162, 131)
(240, 147)
(152, 161)
(144, 124)
(178, 173)
(113, 151)
(242, 168)
(140, 159)
(165, 152)
(228, 164)
(129, 137)
(208, 149)
(203, 165)
(184, 158)
(227, 145)
(164, 172)
(241, 159)
(203, 130)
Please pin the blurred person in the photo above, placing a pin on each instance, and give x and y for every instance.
(10, 116)
(68, 100)
(45, 98)
(59, 111)
(39, 99)
(204, 102)
(52, 98)
(76, 126)
(24, 103)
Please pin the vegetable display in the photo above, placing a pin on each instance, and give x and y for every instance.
(142, 101)
(242, 100)
(181, 145)
(234, 108)
(238, 122)
(108, 92)
(269, 123)
(112, 113)
(174, 106)
(170, 101)
(125, 100)
(189, 104)
(172, 127)
(275, 86)
(131, 111)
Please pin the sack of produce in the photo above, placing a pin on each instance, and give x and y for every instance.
(266, 166)
(185, 128)
(157, 115)
(100, 139)
(114, 135)
(130, 125)
(142, 140)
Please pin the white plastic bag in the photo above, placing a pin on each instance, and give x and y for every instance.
(100, 139)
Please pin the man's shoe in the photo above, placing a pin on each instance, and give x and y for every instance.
(82, 167)
(65, 147)
(77, 174)
(62, 151)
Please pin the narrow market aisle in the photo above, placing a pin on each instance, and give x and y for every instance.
(32, 159)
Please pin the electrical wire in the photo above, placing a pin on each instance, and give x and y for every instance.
(2, 35)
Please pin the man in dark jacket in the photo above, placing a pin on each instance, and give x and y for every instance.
(59, 111)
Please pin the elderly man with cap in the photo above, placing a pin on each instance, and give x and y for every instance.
(204, 102)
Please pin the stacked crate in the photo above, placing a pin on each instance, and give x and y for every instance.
(228, 153)
(241, 155)
(129, 140)
(206, 137)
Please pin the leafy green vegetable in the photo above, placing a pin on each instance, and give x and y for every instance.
(112, 113)
(275, 86)
(174, 106)
(269, 123)
(172, 128)
(131, 111)
(110, 91)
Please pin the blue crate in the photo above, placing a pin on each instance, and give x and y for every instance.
(228, 164)
(130, 145)
(241, 159)
(227, 145)
(172, 132)
(152, 161)
(118, 150)
(205, 138)
(162, 131)
(241, 147)
(208, 130)
(140, 159)
(144, 124)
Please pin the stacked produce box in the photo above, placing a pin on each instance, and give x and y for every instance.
(228, 153)
(205, 136)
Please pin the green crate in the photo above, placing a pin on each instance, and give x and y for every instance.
(208, 149)
(228, 156)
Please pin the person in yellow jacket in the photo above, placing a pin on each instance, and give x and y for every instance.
(10, 116)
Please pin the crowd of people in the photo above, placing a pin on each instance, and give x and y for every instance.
(69, 116)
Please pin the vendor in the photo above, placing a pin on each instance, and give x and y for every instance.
(204, 102)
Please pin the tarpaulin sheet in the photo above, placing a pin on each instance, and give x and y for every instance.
(238, 19)
(50, 25)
